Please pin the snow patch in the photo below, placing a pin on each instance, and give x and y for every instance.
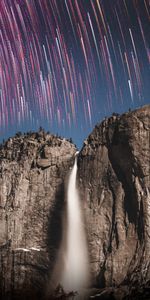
(22, 249)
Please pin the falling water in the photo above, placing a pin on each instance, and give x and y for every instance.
(75, 272)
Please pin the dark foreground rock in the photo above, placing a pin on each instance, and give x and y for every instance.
(114, 180)
(123, 292)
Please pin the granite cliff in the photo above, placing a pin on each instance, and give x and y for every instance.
(33, 168)
(114, 185)
(114, 182)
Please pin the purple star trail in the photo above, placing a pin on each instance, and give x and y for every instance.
(66, 64)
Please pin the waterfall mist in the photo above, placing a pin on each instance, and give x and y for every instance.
(75, 272)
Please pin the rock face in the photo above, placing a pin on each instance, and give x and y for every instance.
(114, 182)
(32, 173)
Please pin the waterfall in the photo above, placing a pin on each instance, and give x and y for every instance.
(76, 268)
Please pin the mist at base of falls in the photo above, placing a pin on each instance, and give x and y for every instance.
(75, 273)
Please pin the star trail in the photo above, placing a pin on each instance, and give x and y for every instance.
(65, 64)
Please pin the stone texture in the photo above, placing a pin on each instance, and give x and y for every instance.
(32, 173)
(114, 182)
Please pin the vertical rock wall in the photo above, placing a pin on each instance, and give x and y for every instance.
(32, 174)
(114, 180)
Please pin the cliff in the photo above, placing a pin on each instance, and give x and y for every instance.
(114, 185)
(114, 182)
(32, 173)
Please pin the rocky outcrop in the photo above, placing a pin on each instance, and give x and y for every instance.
(114, 182)
(32, 173)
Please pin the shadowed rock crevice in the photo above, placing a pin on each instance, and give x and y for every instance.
(113, 228)
(55, 227)
(121, 162)
(140, 225)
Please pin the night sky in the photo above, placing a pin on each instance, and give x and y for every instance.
(66, 64)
